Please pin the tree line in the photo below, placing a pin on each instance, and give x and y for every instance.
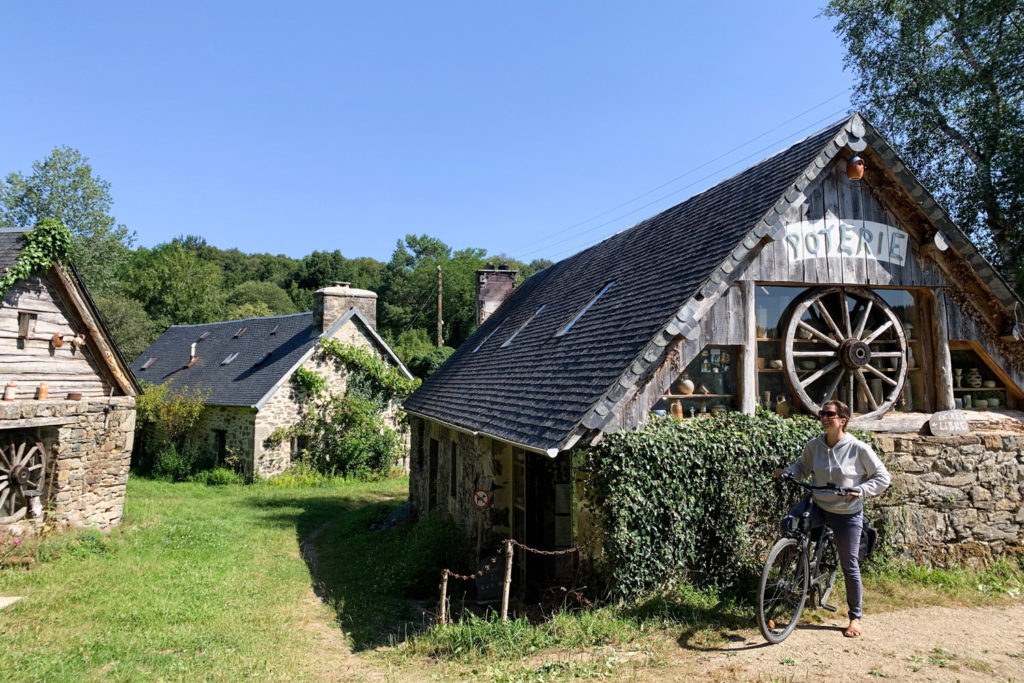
(141, 291)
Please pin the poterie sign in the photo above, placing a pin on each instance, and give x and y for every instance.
(863, 239)
(949, 422)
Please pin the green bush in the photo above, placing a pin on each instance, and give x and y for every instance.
(348, 438)
(425, 365)
(177, 463)
(692, 500)
(218, 476)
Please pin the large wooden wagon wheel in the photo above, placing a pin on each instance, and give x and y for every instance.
(845, 343)
(22, 474)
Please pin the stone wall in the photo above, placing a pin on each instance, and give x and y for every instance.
(89, 444)
(238, 425)
(956, 499)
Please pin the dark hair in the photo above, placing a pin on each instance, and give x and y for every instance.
(842, 409)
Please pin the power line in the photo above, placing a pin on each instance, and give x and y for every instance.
(756, 153)
(679, 177)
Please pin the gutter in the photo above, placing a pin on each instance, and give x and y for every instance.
(550, 452)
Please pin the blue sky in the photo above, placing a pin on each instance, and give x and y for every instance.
(530, 128)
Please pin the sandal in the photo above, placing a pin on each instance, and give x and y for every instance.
(854, 630)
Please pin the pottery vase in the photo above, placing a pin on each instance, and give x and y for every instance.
(677, 410)
(686, 386)
(782, 406)
(973, 378)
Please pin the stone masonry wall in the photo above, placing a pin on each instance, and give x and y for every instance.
(284, 407)
(237, 423)
(89, 443)
(957, 499)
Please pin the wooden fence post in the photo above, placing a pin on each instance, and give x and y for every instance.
(508, 580)
(442, 616)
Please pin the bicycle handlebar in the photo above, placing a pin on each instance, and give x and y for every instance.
(827, 487)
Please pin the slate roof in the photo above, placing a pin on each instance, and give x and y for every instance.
(10, 245)
(245, 380)
(535, 391)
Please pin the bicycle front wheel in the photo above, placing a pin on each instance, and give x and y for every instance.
(783, 590)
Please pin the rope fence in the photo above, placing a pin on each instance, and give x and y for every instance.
(508, 546)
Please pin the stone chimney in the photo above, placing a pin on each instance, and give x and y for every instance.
(330, 303)
(492, 288)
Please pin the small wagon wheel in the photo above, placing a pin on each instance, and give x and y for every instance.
(22, 476)
(839, 338)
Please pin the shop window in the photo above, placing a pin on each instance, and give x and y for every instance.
(707, 385)
(975, 385)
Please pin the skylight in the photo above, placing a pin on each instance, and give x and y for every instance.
(230, 358)
(276, 328)
(240, 332)
(148, 363)
(488, 336)
(262, 359)
(204, 335)
(523, 326)
(568, 325)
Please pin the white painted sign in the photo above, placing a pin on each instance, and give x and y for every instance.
(949, 422)
(868, 239)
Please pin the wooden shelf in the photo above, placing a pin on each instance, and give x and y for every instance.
(956, 389)
(692, 396)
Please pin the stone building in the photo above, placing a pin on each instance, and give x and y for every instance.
(245, 366)
(824, 271)
(67, 418)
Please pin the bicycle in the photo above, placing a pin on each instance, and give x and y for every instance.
(792, 573)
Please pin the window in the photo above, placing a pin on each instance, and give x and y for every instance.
(204, 335)
(583, 310)
(230, 358)
(262, 359)
(523, 326)
(240, 332)
(298, 445)
(26, 324)
(276, 328)
(488, 336)
(432, 476)
(453, 479)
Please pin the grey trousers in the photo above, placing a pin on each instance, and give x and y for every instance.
(846, 530)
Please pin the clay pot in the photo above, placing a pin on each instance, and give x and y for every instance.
(973, 378)
(855, 168)
(782, 406)
(686, 386)
(677, 410)
(74, 396)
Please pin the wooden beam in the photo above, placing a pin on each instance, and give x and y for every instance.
(940, 347)
(748, 351)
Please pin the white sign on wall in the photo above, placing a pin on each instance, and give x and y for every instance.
(857, 239)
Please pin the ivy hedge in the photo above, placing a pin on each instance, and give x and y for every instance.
(693, 500)
(48, 243)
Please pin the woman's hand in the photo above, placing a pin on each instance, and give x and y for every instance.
(779, 472)
(852, 494)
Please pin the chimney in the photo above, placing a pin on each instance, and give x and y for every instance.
(330, 303)
(492, 287)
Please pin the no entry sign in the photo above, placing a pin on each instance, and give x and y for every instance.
(481, 499)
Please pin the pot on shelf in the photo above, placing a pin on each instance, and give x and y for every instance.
(973, 378)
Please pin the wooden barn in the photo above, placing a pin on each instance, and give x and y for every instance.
(824, 271)
(67, 417)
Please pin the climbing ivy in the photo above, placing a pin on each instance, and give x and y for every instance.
(309, 381)
(359, 358)
(48, 243)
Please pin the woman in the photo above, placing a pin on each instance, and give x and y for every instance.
(849, 463)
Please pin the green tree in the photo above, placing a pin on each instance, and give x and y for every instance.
(128, 322)
(63, 186)
(945, 79)
(252, 293)
(173, 285)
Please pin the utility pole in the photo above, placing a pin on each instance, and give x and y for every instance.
(440, 338)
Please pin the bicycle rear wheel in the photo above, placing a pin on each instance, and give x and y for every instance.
(783, 590)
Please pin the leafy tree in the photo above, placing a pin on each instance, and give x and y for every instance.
(274, 299)
(63, 186)
(945, 78)
(173, 285)
(130, 325)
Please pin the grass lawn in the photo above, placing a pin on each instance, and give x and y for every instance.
(198, 582)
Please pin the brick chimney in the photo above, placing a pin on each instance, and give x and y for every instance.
(330, 303)
(492, 287)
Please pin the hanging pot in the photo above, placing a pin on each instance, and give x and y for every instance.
(855, 168)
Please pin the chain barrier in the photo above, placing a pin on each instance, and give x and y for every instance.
(494, 560)
(550, 552)
(472, 577)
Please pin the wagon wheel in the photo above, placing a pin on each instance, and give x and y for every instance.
(22, 474)
(836, 341)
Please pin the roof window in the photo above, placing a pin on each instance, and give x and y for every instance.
(240, 332)
(230, 358)
(149, 363)
(276, 328)
(523, 326)
(204, 335)
(262, 359)
(579, 314)
(488, 336)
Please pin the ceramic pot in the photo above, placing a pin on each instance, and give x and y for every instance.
(686, 387)
(855, 168)
(782, 406)
(677, 410)
(973, 378)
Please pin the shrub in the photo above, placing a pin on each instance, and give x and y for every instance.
(218, 476)
(164, 418)
(347, 437)
(425, 365)
(692, 499)
(177, 463)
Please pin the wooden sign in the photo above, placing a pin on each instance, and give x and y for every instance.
(859, 239)
(949, 422)
(488, 584)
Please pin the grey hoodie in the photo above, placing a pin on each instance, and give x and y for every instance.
(849, 464)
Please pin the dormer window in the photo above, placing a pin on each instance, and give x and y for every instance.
(523, 326)
(579, 314)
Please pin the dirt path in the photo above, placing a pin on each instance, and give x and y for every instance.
(925, 644)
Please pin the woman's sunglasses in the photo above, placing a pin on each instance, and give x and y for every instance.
(827, 413)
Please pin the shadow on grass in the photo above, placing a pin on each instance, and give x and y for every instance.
(377, 582)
